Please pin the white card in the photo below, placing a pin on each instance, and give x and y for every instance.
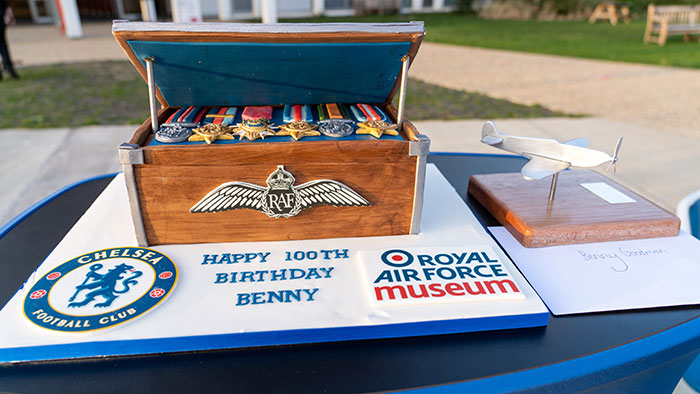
(610, 276)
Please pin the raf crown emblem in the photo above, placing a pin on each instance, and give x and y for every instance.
(280, 198)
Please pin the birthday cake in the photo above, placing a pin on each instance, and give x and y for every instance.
(96, 296)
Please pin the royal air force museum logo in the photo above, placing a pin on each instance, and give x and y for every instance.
(280, 198)
(436, 275)
(100, 289)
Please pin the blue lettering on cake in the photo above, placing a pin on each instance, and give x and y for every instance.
(277, 296)
(273, 275)
(233, 258)
(301, 255)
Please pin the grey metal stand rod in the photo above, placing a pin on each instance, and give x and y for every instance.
(553, 188)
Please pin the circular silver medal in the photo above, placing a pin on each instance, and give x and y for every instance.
(172, 134)
(335, 128)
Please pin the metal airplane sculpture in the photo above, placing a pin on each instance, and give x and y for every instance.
(547, 156)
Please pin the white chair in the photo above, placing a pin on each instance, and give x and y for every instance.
(688, 210)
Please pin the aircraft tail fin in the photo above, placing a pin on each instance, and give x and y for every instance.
(580, 142)
(490, 134)
(613, 162)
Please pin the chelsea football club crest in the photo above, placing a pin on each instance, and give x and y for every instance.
(100, 289)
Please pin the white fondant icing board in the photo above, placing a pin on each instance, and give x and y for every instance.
(450, 278)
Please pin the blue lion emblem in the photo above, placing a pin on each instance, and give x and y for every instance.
(104, 285)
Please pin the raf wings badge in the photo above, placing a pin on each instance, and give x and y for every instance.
(280, 198)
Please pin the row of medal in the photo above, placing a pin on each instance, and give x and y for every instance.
(209, 124)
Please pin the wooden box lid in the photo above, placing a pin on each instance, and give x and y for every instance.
(225, 64)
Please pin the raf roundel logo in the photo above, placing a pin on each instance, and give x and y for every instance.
(397, 258)
(100, 289)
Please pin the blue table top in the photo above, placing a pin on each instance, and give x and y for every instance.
(629, 351)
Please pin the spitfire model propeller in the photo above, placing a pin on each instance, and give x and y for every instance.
(613, 162)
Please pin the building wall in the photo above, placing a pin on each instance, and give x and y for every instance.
(210, 8)
(294, 8)
(242, 9)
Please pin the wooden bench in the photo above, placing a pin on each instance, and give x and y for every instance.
(381, 7)
(612, 11)
(671, 19)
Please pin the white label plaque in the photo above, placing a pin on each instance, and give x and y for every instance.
(608, 193)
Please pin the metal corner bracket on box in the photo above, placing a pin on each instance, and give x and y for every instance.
(419, 148)
(130, 155)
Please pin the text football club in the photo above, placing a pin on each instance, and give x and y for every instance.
(428, 275)
(100, 289)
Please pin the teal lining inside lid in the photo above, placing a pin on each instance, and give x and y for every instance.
(237, 73)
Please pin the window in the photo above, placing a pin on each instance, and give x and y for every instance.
(338, 4)
(242, 5)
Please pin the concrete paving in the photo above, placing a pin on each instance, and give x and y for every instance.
(36, 163)
(659, 98)
(34, 45)
(654, 108)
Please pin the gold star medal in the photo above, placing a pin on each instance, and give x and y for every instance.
(210, 133)
(299, 129)
(252, 129)
(377, 128)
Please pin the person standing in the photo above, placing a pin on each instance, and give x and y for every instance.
(6, 17)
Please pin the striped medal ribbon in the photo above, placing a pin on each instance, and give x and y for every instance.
(334, 120)
(256, 113)
(296, 112)
(187, 116)
(222, 115)
(365, 112)
(333, 112)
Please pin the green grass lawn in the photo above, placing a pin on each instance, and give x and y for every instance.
(74, 95)
(569, 38)
(427, 101)
(113, 93)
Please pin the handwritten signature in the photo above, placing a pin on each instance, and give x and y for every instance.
(618, 263)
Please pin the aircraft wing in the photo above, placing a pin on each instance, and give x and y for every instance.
(539, 167)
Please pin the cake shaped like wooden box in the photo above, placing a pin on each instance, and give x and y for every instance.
(227, 65)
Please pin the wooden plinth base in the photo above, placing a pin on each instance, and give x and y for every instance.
(577, 215)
